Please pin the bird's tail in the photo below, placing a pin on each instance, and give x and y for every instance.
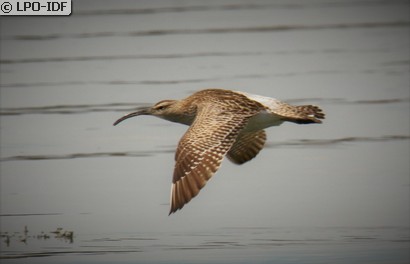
(304, 114)
(310, 114)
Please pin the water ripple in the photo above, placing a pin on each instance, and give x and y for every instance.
(171, 149)
(230, 30)
(234, 7)
(70, 109)
(380, 70)
(64, 253)
(198, 54)
(331, 142)
(79, 155)
(130, 57)
(126, 107)
(350, 102)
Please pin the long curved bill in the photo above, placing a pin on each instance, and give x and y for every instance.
(142, 111)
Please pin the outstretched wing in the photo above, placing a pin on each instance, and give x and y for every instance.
(247, 146)
(201, 150)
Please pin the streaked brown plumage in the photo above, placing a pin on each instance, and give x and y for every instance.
(222, 122)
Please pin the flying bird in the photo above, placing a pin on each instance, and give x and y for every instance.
(221, 123)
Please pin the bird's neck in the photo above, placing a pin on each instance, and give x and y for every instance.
(181, 113)
(182, 119)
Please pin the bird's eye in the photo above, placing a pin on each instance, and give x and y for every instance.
(161, 107)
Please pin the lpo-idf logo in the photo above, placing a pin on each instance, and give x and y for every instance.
(35, 8)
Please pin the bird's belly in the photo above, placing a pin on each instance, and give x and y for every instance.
(262, 121)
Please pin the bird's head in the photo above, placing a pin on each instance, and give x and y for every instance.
(166, 109)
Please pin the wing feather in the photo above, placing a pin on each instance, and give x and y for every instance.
(247, 146)
(201, 151)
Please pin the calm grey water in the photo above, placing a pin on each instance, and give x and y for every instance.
(338, 192)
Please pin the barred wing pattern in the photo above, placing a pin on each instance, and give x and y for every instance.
(201, 151)
(247, 146)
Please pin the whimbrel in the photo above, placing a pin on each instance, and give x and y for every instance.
(222, 123)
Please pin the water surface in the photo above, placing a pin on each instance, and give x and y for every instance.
(331, 193)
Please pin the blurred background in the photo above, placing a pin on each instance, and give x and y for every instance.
(336, 192)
